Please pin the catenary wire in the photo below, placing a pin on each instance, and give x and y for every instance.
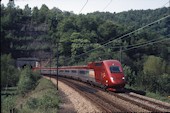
(83, 6)
(166, 39)
(121, 37)
(107, 5)
(137, 46)
(166, 4)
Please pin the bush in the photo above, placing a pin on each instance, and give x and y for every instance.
(27, 81)
(8, 104)
(44, 104)
(164, 84)
(9, 74)
(129, 75)
(48, 102)
(33, 103)
(153, 78)
(154, 66)
(45, 99)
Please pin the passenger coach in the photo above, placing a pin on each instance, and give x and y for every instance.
(107, 74)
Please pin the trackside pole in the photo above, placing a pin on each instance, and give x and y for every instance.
(57, 64)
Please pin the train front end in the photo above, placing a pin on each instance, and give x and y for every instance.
(116, 78)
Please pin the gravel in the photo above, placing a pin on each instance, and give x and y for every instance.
(72, 101)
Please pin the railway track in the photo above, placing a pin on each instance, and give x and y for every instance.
(103, 100)
(144, 102)
(93, 94)
(103, 103)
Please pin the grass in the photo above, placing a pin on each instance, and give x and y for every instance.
(8, 98)
(42, 99)
(158, 97)
(149, 94)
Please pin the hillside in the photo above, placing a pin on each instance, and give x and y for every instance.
(144, 53)
(26, 33)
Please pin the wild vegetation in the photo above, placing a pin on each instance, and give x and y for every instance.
(43, 98)
(27, 81)
(145, 54)
(9, 74)
(15, 83)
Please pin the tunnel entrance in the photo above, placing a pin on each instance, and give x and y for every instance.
(31, 62)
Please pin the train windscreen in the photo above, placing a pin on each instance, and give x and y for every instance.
(114, 69)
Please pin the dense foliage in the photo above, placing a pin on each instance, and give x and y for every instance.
(9, 74)
(27, 81)
(46, 101)
(14, 82)
(37, 32)
(8, 104)
(43, 98)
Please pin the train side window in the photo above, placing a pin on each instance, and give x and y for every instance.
(67, 71)
(73, 71)
(82, 72)
(61, 71)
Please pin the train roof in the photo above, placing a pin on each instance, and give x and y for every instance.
(74, 67)
(104, 61)
(66, 67)
(89, 66)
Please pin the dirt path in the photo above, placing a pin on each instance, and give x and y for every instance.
(71, 101)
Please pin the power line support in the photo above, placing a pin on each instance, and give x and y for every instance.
(120, 54)
(169, 6)
(57, 62)
(50, 60)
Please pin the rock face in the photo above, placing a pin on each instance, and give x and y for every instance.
(33, 29)
(29, 40)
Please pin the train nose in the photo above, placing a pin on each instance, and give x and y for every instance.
(115, 80)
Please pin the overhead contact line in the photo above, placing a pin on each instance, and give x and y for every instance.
(83, 6)
(107, 5)
(121, 37)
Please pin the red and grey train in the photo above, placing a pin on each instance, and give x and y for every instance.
(107, 74)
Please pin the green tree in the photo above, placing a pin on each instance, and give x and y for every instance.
(27, 81)
(27, 11)
(35, 14)
(164, 84)
(153, 69)
(129, 75)
(9, 74)
(44, 13)
(11, 4)
(107, 30)
(67, 25)
(154, 66)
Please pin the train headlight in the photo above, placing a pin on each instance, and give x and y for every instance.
(112, 79)
(123, 78)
